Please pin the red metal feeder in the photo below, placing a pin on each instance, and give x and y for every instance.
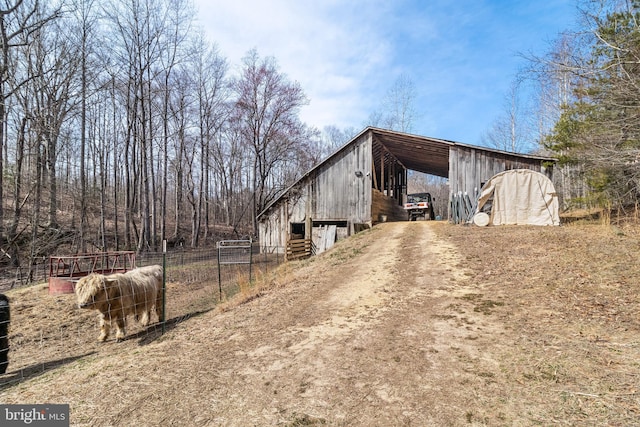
(64, 271)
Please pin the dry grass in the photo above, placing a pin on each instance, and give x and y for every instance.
(49, 331)
(509, 326)
(570, 296)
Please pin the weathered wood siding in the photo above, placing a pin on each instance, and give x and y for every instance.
(270, 230)
(469, 168)
(337, 190)
(342, 188)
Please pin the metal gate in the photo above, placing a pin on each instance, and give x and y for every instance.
(233, 252)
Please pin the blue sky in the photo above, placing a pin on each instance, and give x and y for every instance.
(461, 55)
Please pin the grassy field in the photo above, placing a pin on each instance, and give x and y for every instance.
(571, 298)
(420, 323)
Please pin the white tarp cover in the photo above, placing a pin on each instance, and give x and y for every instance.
(520, 196)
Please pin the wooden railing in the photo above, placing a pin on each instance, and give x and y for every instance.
(299, 248)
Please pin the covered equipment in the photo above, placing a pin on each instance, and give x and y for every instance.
(518, 196)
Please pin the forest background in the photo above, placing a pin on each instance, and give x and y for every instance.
(121, 126)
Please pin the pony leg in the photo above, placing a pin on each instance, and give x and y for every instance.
(120, 328)
(104, 328)
(144, 319)
(159, 307)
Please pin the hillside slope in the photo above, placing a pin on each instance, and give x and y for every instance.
(411, 323)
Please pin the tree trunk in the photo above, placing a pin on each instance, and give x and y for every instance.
(36, 215)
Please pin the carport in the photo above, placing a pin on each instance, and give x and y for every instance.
(466, 167)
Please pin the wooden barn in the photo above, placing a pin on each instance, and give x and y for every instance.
(365, 182)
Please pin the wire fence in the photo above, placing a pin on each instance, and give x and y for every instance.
(47, 331)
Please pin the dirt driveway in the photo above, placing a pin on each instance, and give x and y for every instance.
(388, 328)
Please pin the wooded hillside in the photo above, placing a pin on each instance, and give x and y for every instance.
(121, 127)
(596, 135)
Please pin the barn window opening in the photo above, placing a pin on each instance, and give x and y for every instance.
(360, 226)
(297, 230)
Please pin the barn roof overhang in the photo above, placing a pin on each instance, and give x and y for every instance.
(418, 153)
(426, 154)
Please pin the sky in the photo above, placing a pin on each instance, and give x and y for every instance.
(461, 55)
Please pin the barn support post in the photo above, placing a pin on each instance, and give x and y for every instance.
(398, 184)
(382, 181)
(308, 212)
(405, 186)
(389, 179)
(373, 172)
(392, 180)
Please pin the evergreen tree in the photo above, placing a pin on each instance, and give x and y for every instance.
(600, 130)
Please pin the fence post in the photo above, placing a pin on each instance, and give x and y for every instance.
(219, 275)
(164, 286)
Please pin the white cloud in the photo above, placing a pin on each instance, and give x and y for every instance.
(347, 54)
(335, 53)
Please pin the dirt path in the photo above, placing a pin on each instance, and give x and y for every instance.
(380, 331)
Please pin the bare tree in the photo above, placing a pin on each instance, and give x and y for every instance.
(267, 107)
(230, 164)
(136, 48)
(212, 98)
(397, 111)
(179, 125)
(554, 77)
(173, 53)
(56, 68)
(19, 20)
(84, 11)
(512, 130)
(40, 105)
(400, 105)
(333, 138)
